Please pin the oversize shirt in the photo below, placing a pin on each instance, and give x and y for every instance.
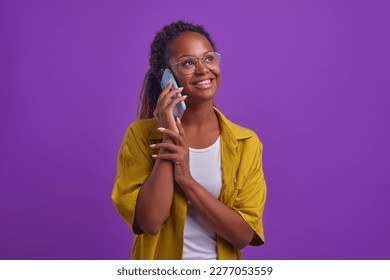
(243, 188)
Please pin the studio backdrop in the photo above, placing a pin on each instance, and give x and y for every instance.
(311, 78)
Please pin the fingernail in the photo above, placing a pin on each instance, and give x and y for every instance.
(181, 88)
(185, 96)
(152, 146)
(161, 128)
(178, 120)
(154, 156)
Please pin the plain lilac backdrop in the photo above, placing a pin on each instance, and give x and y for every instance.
(310, 77)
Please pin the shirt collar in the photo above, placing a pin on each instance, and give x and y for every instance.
(231, 133)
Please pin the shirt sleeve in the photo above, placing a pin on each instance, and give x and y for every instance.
(251, 185)
(134, 166)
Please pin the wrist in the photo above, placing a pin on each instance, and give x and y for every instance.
(168, 139)
(186, 182)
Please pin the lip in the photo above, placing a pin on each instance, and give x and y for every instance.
(203, 86)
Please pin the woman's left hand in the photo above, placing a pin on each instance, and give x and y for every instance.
(179, 153)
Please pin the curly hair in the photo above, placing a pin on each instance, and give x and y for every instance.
(159, 55)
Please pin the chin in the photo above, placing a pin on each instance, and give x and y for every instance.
(197, 97)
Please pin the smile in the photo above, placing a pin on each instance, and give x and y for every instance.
(204, 82)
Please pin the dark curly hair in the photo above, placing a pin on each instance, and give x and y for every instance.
(159, 55)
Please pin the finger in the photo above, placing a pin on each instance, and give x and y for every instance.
(167, 87)
(181, 129)
(176, 136)
(175, 101)
(170, 157)
(170, 95)
(167, 146)
(169, 84)
(165, 91)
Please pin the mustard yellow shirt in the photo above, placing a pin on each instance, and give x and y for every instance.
(243, 188)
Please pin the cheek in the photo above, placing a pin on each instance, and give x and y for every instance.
(217, 72)
(218, 82)
(217, 76)
(181, 81)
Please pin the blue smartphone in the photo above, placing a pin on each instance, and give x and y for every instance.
(180, 107)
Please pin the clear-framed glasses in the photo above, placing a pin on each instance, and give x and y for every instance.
(187, 65)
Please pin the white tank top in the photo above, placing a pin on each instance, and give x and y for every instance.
(199, 240)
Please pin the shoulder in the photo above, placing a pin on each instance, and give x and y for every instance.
(235, 133)
(142, 128)
(145, 124)
(247, 138)
(241, 132)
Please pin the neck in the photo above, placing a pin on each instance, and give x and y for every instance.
(199, 115)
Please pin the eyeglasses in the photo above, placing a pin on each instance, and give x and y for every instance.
(187, 65)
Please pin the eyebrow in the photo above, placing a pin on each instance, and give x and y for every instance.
(184, 55)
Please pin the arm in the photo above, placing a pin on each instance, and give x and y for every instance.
(141, 191)
(155, 197)
(225, 221)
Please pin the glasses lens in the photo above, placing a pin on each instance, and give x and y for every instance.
(212, 60)
(189, 64)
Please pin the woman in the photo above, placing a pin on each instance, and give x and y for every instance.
(192, 188)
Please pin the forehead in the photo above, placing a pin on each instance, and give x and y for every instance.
(190, 43)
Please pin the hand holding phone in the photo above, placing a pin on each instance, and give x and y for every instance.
(180, 107)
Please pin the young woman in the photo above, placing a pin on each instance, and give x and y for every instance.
(192, 188)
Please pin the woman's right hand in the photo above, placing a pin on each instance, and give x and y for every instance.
(164, 111)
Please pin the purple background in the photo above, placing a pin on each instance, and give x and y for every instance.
(310, 77)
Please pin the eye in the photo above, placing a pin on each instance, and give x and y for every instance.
(188, 62)
(209, 58)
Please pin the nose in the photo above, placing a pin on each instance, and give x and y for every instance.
(201, 66)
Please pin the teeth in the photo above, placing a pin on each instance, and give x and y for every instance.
(205, 82)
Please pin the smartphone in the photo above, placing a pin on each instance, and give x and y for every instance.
(180, 107)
